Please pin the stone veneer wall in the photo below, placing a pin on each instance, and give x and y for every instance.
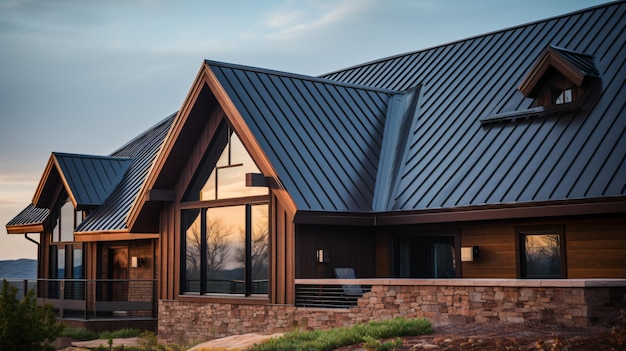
(568, 303)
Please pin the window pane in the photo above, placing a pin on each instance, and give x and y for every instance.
(77, 269)
(542, 255)
(60, 263)
(191, 227)
(208, 190)
(260, 249)
(225, 239)
(67, 214)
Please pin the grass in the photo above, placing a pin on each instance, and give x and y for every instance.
(86, 334)
(372, 334)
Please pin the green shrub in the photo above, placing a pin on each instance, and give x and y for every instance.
(371, 333)
(24, 325)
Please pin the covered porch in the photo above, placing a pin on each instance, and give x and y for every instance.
(98, 304)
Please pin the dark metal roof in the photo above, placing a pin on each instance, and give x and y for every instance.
(451, 160)
(142, 150)
(29, 216)
(585, 63)
(322, 137)
(91, 179)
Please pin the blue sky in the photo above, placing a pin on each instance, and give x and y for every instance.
(87, 76)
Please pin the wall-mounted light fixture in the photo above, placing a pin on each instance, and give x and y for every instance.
(323, 256)
(469, 253)
(136, 262)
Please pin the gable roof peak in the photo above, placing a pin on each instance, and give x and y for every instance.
(299, 76)
(576, 66)
(87, 179)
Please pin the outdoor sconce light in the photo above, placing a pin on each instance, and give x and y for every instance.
(137, 262)
(323, 256)
(469, 253)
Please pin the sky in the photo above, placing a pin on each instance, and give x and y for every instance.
(87, 76)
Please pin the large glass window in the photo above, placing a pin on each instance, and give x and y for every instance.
(425, 256)
(225, 244)
(541, 253)
(67, 221)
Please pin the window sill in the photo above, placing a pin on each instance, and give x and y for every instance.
(536, 112)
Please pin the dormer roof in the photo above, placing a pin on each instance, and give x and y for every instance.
(578, 67)
(87, 179)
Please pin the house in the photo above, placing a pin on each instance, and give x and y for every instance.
(479, 180)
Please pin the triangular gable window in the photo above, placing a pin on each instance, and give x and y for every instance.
(67, 219)
(225, 224)
(223, 174)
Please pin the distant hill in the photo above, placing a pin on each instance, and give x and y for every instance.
(22, 268)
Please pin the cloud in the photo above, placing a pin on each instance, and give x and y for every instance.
(290, 21)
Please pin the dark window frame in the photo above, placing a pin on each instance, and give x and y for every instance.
(520, 234)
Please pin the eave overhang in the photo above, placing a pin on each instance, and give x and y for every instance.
(25, 228)
(470, 213)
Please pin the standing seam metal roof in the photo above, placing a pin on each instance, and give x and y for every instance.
(91, 179)
(455, 161)
(142, 150)
(323, 137)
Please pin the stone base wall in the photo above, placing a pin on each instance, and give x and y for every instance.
(567, 306)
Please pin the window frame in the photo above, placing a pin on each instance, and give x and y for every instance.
(192, 200)
(202, 207)
(520, 234)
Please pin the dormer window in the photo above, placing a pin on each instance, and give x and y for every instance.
(559, 82)
(559, 77)
(562, 96)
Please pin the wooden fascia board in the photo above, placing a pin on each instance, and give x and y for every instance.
(247, 138)
(534, 75)
(549, 57)
(43, 180)
(477, 213)
(112, 236)
(566, 67)
(166, 147)
(68, 189)
(25, 228)
(513, 212)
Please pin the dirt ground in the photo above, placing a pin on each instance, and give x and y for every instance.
(509, 337)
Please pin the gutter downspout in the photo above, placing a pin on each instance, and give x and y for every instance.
(31, 239)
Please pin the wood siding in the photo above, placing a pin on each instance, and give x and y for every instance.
(352, 247)
(595, 247)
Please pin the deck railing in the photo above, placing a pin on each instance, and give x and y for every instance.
(330, 293)
(93, 299)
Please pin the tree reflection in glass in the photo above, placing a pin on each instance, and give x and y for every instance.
(543, 255)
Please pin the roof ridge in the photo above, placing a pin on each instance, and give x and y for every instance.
(68, 154)
(301, 76)
(393, 57)
(144, 133)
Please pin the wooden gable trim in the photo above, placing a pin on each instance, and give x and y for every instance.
(550, 57)
(166, 148)
(206, 78)
(39, 199)
(248, 140)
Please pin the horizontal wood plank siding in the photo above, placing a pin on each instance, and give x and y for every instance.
(596, 249)
(497, 251)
